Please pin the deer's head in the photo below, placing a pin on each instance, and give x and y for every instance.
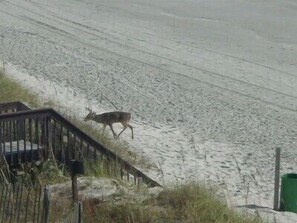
(90, 116)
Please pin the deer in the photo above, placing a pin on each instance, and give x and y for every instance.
(109, 118)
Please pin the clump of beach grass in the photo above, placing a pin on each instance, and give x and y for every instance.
(12, 91)
(182, 203)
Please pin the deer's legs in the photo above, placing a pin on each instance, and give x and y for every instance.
(122, 131)
(125, 126)
(102, 128)
(131, 131)
(114, 134)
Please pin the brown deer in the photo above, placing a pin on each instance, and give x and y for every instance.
(110, 118)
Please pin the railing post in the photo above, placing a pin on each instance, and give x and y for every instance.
(46, 203)
(50, 151)
(79, 212)
(276, 179)
(1, 137)
(43, 132)
(74, 187)
(76, 168)
(20, 129)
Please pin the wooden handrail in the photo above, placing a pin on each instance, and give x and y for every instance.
(19, 106)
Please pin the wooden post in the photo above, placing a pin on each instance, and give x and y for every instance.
(74, 187)
(46, 203)
(276, 179)
(76, 168)
(139, 183)
(79, 212)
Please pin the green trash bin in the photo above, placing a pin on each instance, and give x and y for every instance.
(288, 196)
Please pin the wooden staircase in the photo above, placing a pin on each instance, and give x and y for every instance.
(29, 135)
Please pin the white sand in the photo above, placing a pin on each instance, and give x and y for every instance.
(211, 84)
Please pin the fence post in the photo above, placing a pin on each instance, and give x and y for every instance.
(74, 187)
(76, 168)
(46, 203)
(79, 212)
(139, 182)
(276, 179)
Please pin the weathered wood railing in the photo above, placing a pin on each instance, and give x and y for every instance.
(19, 203)
(30, 135)
(13, 107)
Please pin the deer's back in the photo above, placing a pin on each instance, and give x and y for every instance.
(114, 117)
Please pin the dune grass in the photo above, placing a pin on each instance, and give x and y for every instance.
(12, 91)
(189, 203)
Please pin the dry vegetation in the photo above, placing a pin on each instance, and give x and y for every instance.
(183, 203)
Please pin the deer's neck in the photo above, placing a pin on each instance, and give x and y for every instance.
(98, 118)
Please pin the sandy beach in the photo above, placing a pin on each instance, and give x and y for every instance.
(211, 85)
